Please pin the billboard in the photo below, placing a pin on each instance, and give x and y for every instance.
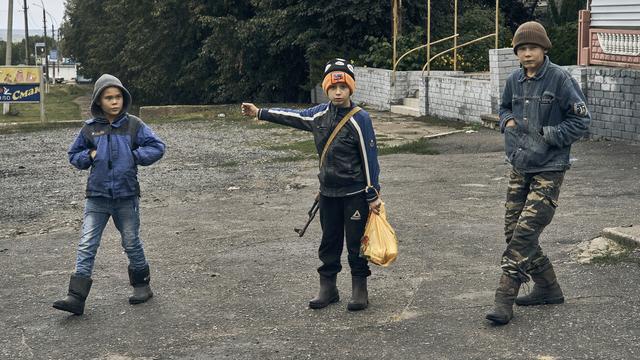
(20, 84)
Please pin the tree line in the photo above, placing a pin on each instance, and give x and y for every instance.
(199, 51)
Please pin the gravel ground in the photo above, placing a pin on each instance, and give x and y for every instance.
(232, 279)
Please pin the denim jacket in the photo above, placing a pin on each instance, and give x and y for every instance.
(550, 114)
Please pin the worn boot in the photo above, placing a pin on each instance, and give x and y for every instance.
(359, 295)
(505, 295)
(546, 289)
(328, 293)
(139, 279)
(79, 287)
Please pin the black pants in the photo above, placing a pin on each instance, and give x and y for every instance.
(340, 217)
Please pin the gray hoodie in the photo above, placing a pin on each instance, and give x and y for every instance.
(102, 83)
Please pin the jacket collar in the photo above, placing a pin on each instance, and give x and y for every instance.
(539, 75)
(116, 123)
(340, 111)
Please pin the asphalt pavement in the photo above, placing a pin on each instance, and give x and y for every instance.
(232, 279)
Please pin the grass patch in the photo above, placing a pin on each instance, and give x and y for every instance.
(457, 125)
(260, 124)
(28, 127)
(229, 164)
(302, 150)
(420, 146)
(59, 105)
(293, 158)
(307, 147)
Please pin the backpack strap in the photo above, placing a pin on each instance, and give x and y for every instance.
(336, 130)
(135, 123)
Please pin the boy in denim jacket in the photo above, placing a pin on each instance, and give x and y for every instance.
(542, 113)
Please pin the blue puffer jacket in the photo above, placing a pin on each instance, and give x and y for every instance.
(550, 114)
(120, 147)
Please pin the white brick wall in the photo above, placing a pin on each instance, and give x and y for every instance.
(373, 87)
(613, 97)
(502, 62)
(459, 98)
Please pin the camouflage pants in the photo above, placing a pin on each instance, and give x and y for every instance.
(531, 203)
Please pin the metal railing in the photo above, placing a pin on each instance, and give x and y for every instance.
(429, 43)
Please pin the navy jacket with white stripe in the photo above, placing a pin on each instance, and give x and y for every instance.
(351, 163)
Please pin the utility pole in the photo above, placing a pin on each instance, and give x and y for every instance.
(46, 52)
(6, 107)
(59, 52)
(26, 34)
(53, 39)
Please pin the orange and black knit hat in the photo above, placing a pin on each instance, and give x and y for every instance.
(339, 71)
(531, 33)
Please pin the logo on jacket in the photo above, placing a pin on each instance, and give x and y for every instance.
(356, 215)
(97, 133)
(580, 109)
(372, 143)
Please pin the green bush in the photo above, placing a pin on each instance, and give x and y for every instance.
(564, 50)
(475, 22)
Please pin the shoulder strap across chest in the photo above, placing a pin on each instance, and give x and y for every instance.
(336, 130)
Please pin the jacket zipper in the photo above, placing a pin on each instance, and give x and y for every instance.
(109, 146)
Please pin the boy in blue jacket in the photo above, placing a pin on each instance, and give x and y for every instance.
(112, 145)
(348, 179)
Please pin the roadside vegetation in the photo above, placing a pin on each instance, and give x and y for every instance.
(59, 105)
(292, 144)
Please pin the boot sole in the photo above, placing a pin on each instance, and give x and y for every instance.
(139, 301)
(357, 307)
(497, 320)
(542, 302)
(59, 307)
(317, 305)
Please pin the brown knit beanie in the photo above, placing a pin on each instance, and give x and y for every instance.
(531, 33)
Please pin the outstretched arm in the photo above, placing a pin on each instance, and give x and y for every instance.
(299, 119)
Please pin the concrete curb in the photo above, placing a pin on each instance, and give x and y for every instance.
(10, 128)
(629, 236)
(434, 136)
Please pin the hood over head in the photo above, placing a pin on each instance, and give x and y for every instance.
(102, 83)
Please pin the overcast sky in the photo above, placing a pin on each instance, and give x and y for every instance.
(55, 9)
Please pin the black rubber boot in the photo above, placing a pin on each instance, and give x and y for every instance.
(140, 281)
(79, 287)
(328, 293)
(546, 289)
(505, 296)
(359, 295)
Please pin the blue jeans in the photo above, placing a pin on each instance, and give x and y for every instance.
(126, 218)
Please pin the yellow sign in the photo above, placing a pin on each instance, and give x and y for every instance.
(10, 75)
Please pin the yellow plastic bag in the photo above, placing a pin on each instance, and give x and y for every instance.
(379, 243)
